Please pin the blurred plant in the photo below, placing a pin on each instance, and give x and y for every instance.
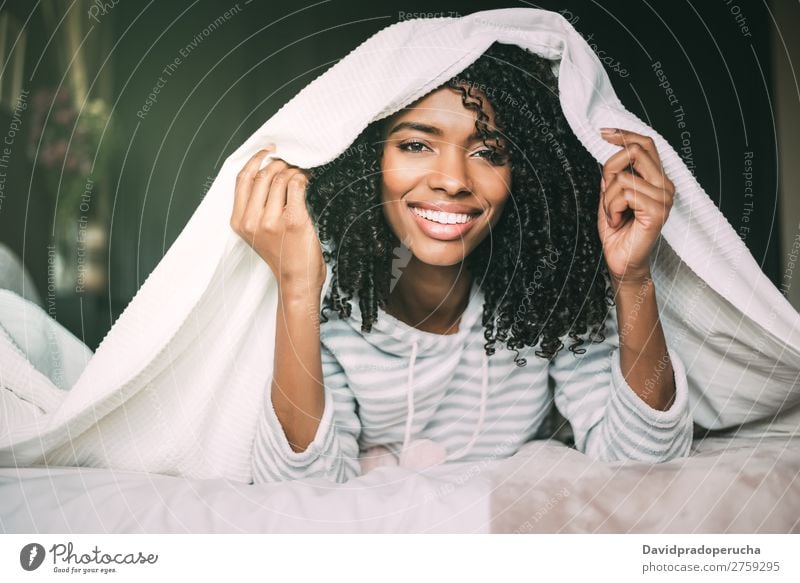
(72, 143)
(65, 146)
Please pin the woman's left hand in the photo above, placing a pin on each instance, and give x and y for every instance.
(633, 206)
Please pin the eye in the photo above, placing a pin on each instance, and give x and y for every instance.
(412, 146)
(498, 158)
(485, 153)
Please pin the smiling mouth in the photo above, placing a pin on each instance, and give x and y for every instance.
(443, 226)
(444, 218)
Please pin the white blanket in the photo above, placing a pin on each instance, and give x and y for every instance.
(176, 385)
(725, 486)
(445, 499)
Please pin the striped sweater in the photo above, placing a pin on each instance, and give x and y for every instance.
(396, 384)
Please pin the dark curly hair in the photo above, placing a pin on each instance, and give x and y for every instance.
(551, 212)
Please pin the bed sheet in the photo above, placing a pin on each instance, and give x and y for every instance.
(387, 499)
(726, 485)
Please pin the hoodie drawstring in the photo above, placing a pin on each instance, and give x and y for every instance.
(482, 414)
(410, 392)
(410, 415)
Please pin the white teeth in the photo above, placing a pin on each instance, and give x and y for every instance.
(442, 217)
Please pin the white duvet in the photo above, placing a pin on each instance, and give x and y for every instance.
(176, 386)
(726, 486)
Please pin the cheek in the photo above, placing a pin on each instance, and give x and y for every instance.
(394, 185)
(397, 178)
(389, 186)
(496, 188)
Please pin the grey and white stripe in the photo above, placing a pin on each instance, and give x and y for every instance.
(366, 399)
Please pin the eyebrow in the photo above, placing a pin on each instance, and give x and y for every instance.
(424, 128)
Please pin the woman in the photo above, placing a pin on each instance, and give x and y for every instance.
(496, 201)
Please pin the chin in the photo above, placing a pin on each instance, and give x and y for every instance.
(440, 253)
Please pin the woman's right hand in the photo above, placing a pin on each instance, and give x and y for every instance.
(270, 214)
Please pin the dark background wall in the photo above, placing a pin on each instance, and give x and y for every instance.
(230, 81)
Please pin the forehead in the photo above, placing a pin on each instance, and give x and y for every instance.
(445, 107)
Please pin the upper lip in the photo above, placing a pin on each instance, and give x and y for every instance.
(447, 207)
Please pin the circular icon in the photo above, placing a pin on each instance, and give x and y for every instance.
(31, 556)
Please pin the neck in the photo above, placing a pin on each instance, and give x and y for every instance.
(429, 297)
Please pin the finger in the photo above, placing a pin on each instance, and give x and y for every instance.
(601, 211)
(296, 199)
(615, 205)
(244, 180)
(254, 163)
(660, 195)
(648, 212)
(603, 224)
(262, 181)
(625, 137)
(276, 200)
(620, 193)
(637, 156)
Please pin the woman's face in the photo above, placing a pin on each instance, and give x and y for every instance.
(441, 192)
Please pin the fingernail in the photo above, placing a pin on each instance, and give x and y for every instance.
(602, 184)
(608, 130)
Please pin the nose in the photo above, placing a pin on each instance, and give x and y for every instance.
(449, 173)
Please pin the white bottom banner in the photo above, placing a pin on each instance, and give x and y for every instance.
(401, 558)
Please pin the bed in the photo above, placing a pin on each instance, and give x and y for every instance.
(728, 484)
(717, 308)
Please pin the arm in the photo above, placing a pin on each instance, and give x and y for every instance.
(297, 390)
(610, 420)
(333, 450)
(296, 437)
(644, 359)
(636, 198)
